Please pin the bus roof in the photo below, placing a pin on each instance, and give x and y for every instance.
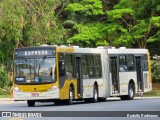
(35, 47)
(76, 49)
(127, 51)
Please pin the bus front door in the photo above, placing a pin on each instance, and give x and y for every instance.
(78, 68)
(114, 75)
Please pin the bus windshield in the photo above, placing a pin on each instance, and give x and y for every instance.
(39, 70)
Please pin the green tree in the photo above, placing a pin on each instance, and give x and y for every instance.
(28, 23)
(86, 27)
(10, 24)
(91, 34)
(134, 22)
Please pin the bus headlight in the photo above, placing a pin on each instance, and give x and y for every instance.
(17, 89)
(53, 88)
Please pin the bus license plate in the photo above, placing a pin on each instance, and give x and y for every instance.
(35, 94)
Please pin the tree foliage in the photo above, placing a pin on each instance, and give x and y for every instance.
(28, 23)
(138, 21)
(91, 34)
(155, 72)
(87, 30)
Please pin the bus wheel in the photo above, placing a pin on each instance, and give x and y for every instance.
(130, 92)
(31, 103)
(95, 94)
(130, 95)
(71, 96)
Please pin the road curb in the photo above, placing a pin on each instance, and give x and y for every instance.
(118, 98)
(147, 97)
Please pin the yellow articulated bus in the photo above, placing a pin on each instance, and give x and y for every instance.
(66, 74)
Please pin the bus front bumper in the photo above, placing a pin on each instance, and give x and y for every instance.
(20, 95)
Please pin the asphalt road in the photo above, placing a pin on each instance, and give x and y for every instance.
(115, 104)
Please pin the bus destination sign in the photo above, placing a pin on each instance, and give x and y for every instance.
(30, 53)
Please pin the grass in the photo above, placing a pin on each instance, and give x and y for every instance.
(155, 90)
(155, 86)
(4, 96)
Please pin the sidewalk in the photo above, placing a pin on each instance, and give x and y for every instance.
(6, 99)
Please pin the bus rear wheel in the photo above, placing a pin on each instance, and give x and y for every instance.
(95, 94)
(31, 103)
(130, 92)
(71, 96)
(130, 95)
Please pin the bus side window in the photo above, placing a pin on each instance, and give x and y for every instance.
(145, 63)
(69, 66)
(130, 63)
(122, 63)
(61, 68)
(85, 68)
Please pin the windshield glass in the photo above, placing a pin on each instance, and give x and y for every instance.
(41, 70)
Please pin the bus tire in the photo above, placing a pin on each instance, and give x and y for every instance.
(31, 103)
(95, 94)
(130, 92)
(130, 95)
(71, 96)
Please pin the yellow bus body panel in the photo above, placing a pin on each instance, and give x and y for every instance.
(149, 66)
(34, 88)
(65, 49)
(64, 91)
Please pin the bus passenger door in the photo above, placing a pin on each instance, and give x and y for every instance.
(139, 73)
(78, 69)
(114, 74)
